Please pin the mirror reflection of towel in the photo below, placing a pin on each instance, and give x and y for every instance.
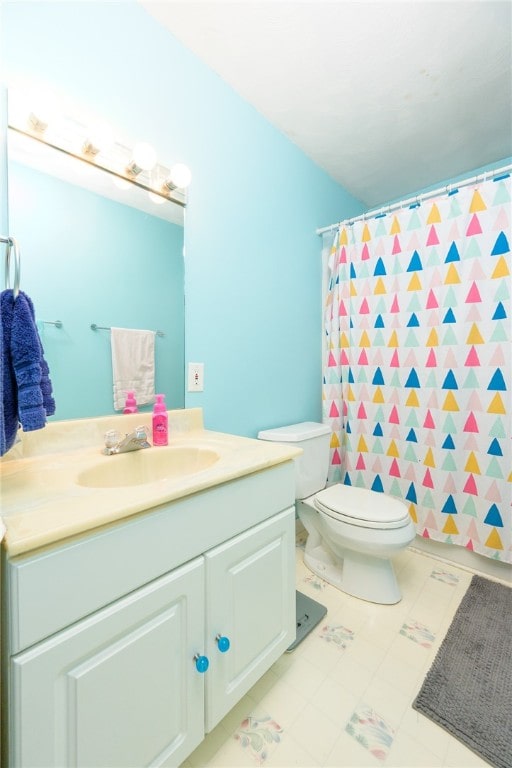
(133, 365)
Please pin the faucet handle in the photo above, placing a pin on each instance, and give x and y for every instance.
(112, 438)
(141, 433)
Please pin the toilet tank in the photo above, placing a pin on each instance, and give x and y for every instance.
(312, 466)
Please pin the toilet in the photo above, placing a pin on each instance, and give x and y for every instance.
(352, 532)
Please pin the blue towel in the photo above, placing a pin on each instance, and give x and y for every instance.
(2, 421)
(9, 388)
(27, 390)
(46, 385)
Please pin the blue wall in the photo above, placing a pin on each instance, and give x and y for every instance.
(252, 258)
(452, 182)
(87, 259)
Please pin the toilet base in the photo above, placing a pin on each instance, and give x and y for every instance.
(362, 576)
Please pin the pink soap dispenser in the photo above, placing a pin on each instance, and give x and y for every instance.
(130, 405)
(160, 422)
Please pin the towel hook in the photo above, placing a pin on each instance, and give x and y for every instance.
(12, 245)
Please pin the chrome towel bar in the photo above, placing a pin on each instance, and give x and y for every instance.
(95, 327)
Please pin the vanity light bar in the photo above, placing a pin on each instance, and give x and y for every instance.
(175, 196)
(46, 118)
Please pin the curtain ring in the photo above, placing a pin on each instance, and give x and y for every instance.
(12, 245)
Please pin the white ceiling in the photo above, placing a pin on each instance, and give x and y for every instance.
(387, 97)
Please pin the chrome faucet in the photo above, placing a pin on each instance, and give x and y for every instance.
(133, 441)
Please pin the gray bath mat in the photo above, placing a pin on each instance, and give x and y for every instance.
(468, 689)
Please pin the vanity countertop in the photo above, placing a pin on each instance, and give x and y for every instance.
(42, 502)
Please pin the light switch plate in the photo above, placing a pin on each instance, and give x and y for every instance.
(195, 377)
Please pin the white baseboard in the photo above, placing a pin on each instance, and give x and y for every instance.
(464, 558)
(448, 553)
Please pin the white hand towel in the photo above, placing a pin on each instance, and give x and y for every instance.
(133, 365)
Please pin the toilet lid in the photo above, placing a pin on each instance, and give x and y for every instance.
(360, 506)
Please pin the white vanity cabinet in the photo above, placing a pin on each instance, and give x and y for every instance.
(111, 679)
(118, 688)
(250, 600)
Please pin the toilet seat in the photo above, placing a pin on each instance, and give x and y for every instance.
(361, 507)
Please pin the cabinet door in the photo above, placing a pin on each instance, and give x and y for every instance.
(250, 599)
(119, 688)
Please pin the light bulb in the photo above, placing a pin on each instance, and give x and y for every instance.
(144, 156)
(99, 138)
(42, 111)
(179, 176)
(36, 122)
(122, 183)
(157, 199)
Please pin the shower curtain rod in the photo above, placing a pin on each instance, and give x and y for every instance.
(451, 188)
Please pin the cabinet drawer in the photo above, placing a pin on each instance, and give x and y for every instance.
(56, 587)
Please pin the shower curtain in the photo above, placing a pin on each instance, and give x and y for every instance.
(417, 362)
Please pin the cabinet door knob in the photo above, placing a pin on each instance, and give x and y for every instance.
(223, 643)
(202, 662)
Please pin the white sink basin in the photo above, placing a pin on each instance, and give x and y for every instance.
(149, 465)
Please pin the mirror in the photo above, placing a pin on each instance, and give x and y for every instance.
(92, 253)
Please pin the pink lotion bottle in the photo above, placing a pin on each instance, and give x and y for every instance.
(160, 422)
(130, 405)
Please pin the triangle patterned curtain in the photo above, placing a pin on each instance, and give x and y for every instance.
(417, 363)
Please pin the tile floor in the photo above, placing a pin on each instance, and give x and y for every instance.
(343, 696)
